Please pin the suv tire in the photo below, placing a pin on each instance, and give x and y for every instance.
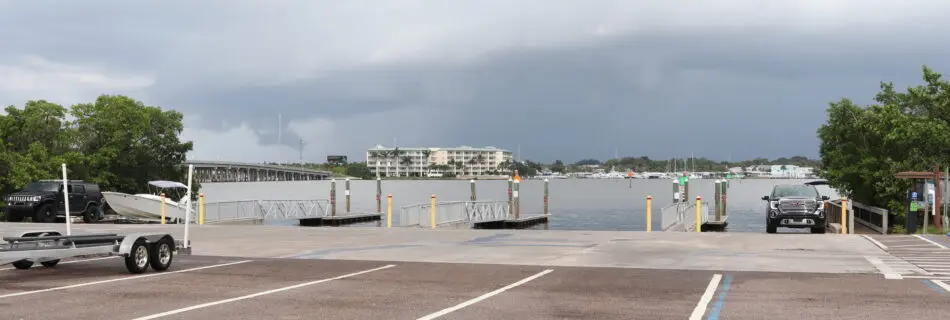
(770, 227)
(818, 230)
(44, 214)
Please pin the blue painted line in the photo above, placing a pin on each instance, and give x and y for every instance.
(933, 286)
(723, 290)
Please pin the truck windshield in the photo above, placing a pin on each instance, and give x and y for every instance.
(795, 191)
(42, 187)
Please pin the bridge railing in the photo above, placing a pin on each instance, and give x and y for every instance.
(452, 213)
(872, 217)
(682, 216)
(224, 211)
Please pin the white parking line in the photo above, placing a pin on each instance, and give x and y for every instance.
(205, 305)
(483, 297)
(70, 261)
(875, 242)
(884, 268)
(931, 241)
(942, 284)
(700, 309)
(120, 279)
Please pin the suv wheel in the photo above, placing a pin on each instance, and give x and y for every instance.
(45, 214)
(92, 214)
(770, 227)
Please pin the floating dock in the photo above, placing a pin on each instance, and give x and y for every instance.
(350, 218)
(519, 223)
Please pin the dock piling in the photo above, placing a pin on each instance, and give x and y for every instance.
(379, 193)
(389, 211)
(724, 190)
(510, 197)
(333, 198)
(844, 215)
(516, 199)
(676, 191)
(545, 196)
(432, 212)
(346, 194)
(699, 214)
(472, 184)
(649, 213)
(201, 208)
(718, 198)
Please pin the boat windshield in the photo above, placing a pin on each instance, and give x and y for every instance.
(43, 186)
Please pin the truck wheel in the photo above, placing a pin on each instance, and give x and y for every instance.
(161, 254)
(23, 264)
(137, 261)
(50, 264)
(45, 214)
(92, 214)
(818, 230)
(770, 227)
(13, 216)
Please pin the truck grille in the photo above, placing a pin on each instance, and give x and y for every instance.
(20, 198)
(797, 205)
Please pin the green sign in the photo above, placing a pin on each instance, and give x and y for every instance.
(728, 176)
(682, 180)
(913, 206)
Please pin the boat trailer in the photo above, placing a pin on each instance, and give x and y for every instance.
(140, 250)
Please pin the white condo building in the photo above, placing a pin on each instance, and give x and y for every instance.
(420, 162)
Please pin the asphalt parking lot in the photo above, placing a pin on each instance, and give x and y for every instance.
(204, 287)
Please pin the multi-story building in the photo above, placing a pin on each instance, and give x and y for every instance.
(419, 162)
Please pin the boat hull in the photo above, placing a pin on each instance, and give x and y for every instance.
(143, 206)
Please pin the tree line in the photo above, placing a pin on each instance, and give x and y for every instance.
(115, 141)
(863, 147)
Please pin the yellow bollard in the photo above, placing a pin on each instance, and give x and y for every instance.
(649, 213)
(201, 208)
(389, 211)
(844, 216)
(163, 207)
(432, 212)
(699, 214)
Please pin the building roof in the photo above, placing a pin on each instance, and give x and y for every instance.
(459, 148)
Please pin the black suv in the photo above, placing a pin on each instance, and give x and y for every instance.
(43, 201)
(795, 206)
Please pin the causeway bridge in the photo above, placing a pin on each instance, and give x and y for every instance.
(227, 171)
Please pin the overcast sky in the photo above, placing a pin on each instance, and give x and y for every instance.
(563, 79)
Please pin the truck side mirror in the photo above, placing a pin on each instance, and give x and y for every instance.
(825, 198)
(766, 198)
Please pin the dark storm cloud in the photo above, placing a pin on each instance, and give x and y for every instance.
(371, 73)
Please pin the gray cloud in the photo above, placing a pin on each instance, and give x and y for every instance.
(563, 80)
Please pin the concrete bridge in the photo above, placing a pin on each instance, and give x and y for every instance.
(226, 171)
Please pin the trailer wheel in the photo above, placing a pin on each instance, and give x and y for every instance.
(161, 254)
(23, 264)
(137, 261)
(50, 264)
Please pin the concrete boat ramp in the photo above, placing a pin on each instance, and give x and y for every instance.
(265, 272)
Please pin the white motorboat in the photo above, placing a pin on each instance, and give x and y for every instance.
(148, 206)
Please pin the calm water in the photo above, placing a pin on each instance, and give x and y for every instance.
(585, 204)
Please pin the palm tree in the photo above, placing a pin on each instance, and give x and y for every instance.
(454, 166)
(480, 160)
(425, 163)
(394, 154)
(407, 161)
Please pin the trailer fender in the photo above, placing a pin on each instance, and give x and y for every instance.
(125, 248)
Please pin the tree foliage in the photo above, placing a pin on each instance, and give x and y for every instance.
(117, 142)
(862, 148)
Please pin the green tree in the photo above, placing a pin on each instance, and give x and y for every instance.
(558, 166)
(862, 148)
(116, 141)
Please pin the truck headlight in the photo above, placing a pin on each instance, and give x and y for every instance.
(35, 198)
